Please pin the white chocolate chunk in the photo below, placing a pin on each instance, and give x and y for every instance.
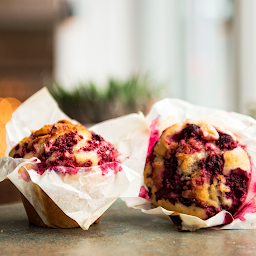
(234, 159)
(92, 156)
(209, 132)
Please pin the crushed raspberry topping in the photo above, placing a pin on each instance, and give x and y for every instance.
(191, 130)
(226, 142)
(154, 135)
(213, 164)
(60, 153)
(143, 193)
(238, 183)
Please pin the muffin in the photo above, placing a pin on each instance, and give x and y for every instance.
(197, 168)
(58, 145)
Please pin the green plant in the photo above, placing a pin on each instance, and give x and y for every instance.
(89, 104)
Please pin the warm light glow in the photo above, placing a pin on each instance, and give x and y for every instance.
(7, 107)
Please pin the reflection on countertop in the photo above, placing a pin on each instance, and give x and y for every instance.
(121, 231)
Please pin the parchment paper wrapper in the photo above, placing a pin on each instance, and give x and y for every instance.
(85, 196)
(170, 111)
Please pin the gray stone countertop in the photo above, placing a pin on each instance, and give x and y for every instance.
(121, 231)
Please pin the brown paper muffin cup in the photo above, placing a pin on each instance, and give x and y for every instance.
(56, 218)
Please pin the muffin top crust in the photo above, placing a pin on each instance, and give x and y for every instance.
(65, 144)
(197, 168)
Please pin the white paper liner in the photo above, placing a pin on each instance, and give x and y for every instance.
(170, 111)
(7, 165)
(84, 196)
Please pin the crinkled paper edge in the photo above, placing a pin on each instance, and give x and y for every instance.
(60, 187)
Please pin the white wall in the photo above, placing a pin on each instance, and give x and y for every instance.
(246, 53)
(185, 44)
(97, 43)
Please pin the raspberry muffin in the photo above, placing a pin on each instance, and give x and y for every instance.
(198, 169)
(62, 144)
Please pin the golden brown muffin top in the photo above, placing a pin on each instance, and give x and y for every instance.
(65, 144)
(197, 168)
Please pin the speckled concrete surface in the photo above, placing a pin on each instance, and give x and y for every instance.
(121, 231)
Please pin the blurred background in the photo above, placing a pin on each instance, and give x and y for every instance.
(101, 59)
